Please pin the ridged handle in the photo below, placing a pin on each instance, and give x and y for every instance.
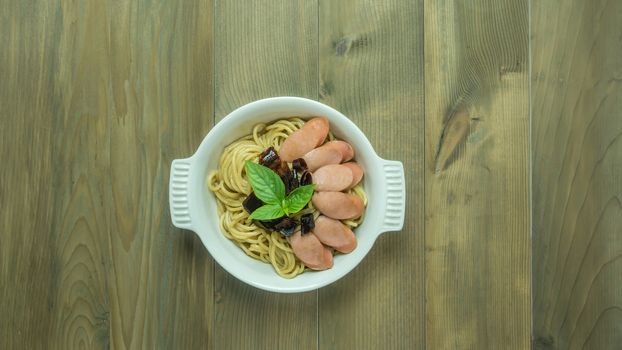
(395, 198)
(178, 193)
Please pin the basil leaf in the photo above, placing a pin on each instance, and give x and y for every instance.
(267, 212)
(298, 198)
(266, 184)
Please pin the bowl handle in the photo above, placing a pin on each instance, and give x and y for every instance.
(178, 193)
(395, 196)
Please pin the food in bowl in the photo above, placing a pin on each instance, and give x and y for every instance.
(193, 207)
(290, 194)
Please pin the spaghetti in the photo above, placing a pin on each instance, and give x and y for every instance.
(230, 186)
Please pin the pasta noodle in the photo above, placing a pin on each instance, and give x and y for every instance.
(230, 187)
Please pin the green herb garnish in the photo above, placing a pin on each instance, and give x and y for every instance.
(297, 199)
(270, 189)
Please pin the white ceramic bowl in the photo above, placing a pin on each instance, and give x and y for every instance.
(193, 206)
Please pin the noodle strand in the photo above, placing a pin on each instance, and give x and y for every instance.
(230, 187)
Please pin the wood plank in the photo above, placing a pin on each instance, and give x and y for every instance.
(477, 175)
(577, 172)
(160, 107)
(93, 255)
(81, 186)
(371, 69)
(263, 48)
(28, 106)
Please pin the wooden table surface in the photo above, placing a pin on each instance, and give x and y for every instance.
(506, 115)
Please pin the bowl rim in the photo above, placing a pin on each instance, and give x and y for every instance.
(245, 112)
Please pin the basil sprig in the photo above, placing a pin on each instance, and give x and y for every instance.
(297, 199)
(270, 189)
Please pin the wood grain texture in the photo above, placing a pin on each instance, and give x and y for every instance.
(98, 97)
(160, 278)
(264, 48)
(371, 70)
(27, 109)
(577, 174)
(477, 205)
(80, 182)
(103, 96)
